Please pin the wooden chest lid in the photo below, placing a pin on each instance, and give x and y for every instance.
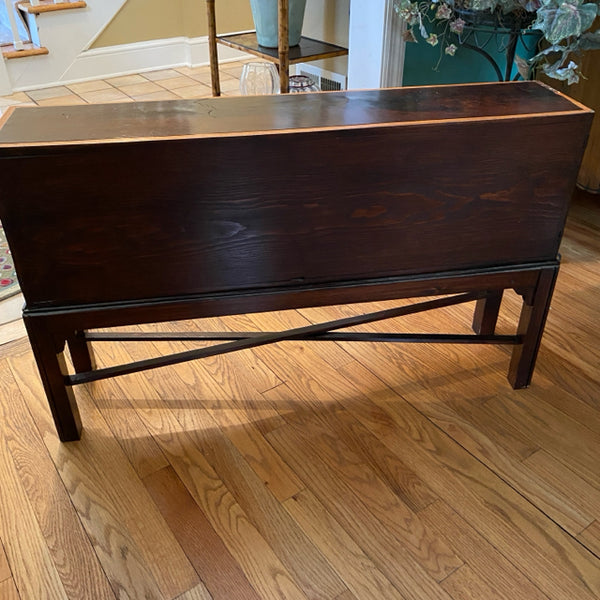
(253, 115)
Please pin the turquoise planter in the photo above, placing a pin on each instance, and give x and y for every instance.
(467, 65)
(264, 13)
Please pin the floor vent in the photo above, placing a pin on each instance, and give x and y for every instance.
(326, 80)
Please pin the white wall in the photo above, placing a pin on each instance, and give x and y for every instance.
(376, 45)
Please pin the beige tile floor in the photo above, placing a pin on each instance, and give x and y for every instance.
(165, 84)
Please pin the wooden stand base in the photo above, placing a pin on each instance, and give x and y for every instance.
(50, 331)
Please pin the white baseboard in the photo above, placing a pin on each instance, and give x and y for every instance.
(113, 61)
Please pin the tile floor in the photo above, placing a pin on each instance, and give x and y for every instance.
(166, 84)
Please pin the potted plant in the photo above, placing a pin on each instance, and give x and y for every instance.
(566, 27)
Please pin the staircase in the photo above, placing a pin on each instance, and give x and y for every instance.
(19, 27)
(47, 38)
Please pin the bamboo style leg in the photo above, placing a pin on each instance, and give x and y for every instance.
(486, 314)
(50, 359)
(531, 327)
(212, 48)
(81, 353)
(284, 44)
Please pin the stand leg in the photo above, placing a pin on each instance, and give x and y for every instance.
(486, 314)
(531, 327)
(284, 45)
(81, 353)
(51, 364)
(212, 48)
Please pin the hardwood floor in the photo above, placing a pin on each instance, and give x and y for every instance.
(318, 470)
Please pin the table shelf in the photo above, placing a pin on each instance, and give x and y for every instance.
(307, 50)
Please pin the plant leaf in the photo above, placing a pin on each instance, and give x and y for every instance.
(522, 67)
(589, 41)
(565, 20)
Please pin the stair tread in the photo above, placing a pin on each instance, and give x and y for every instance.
(9, 50)
(49, 6)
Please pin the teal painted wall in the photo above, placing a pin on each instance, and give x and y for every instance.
(465, 66)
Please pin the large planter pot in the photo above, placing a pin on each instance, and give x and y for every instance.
(482, 53)
(264, 13)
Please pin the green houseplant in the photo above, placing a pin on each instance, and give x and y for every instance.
(566, 28)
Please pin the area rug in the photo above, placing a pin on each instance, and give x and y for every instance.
(9, 286)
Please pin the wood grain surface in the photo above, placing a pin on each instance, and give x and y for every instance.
(318, 470)
(259, 115)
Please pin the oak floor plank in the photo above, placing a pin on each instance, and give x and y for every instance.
(4, 566)
(347, 595)
(261, 566)
(461, 408)
(581, 402)
(562, 479)
(482, 558)
(231, 400)
(241, 416)
(464, 584)
(138, 445)
(137, 550)
(317, 385)
(356, 569)
(28, 555)
(404, 482)
(375, 539)
(197, 593)
(513, 523)
(550, 559)
(559, 504)
(337, 452)
(67, 542)
(590, 538)
(8, 590)
(319, 398)
(558, 566)
(300, 362)
(332, 354)
(308, 566)
(573, 444)
(215, 565)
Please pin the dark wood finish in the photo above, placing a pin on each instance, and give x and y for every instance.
(486, 313)
(307, 50)
(260, 116)
(531, 327)
(177, 210)
(49, 356)
(81, 352)
(262, 339)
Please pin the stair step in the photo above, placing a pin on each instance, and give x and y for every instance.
(50, 5)
(29, 49)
